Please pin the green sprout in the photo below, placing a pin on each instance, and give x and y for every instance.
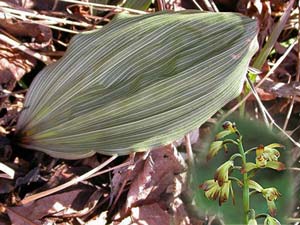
(221, 186)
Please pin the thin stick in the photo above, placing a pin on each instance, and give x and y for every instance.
(297, 76)
(127, 175)
(214, 6)
(46, 23)
(161, 5)
(289, 113)
(10, 173)
(279, 128)
(208, 5)
(258, 101)
(189, 150)
(105, 6)
(110, 169)
(198, 6)
(294, 169)
(69, 183)
(50, 19)
(25, 49)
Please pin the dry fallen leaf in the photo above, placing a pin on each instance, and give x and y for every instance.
(13, 65)
(72, 203)
(158, 172)
(146, 215)
(262, 11)
(179, 213)
(40, 35)
(99, 220)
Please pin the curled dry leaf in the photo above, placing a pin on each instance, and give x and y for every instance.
(158, 174)
(146, 214)
(122, 175)
(262, 11)
(98, 220)
(37, 4)
(72, 203)
(41, 35)
(179, 213)
(32, 176)
(13, 65)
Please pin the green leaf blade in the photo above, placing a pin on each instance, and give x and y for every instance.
(137, 83)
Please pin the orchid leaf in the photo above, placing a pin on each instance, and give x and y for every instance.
(137, 83)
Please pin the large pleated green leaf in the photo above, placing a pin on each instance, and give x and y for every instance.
(137, 83)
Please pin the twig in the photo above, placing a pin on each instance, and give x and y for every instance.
(198, 6)
(161, 5)
(21, 14)
(214, 6)
(208, 5)
(127, 176)
(110, 169)
(9, 173)
(69, 183)
(189, 150)
(297, 76)
(46, 24)
(293, 220)
(259, 101)
(106, 6)
(284, 90)
(294, 169)
(279, 128)
(25, 49)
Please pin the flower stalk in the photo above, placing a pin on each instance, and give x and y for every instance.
(246, 201)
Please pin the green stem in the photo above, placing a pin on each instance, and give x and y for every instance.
(261, 215)
(246, 195)
(234, 156)
(230, 141)
(250, 150)
(240, 183)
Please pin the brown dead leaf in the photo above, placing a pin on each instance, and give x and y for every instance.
(149, 214)
(99, 220)
(175, 5)
(62, 173)
(180, 216)
(264, 95)
(38, 5)
(158, 173)
(262, 11)
(67, 204)
(13, 65)
(6, 186)
(122, 174)
(32, 176)
(41, 35)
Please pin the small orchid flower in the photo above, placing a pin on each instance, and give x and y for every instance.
(271, 194)
(222, 172)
